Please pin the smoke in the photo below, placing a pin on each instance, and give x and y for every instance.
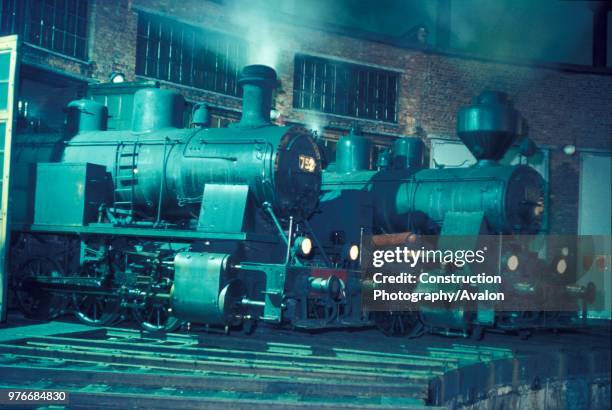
(268, 25)
(263, 27)
(544, 30)
(263, 41)
(314, 122)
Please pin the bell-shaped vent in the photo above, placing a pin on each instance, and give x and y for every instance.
(490, 126)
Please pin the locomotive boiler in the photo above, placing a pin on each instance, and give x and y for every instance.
(176, 224)
(161, 173)
(403, 201)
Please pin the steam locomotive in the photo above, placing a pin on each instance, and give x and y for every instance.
(233, 226)
(176, 224)
(404, 203)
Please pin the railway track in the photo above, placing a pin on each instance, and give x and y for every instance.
(124, 368)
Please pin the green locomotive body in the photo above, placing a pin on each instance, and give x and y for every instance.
(456, 208)
(177, 224)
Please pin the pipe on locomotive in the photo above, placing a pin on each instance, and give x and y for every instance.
(257, 83)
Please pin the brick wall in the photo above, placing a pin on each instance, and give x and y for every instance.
(561, 107)
(112, 38)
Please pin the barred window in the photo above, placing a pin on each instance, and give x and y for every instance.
(184, 54)
(57, 25)
(342, 88)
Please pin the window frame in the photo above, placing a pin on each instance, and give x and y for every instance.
(57, 26)
(168, 50)
(344, 88)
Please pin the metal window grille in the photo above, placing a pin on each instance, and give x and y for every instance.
(342, 88)
(184, 54)
(57, 25)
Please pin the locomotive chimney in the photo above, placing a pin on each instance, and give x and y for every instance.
(257, 83)
(489, 126)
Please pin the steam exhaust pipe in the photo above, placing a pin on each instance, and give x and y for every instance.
(257, 83)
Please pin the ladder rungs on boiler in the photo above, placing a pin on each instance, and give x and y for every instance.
(126, 157)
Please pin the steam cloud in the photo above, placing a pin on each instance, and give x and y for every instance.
(260, 20)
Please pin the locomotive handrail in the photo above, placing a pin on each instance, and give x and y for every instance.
(290, 234)
(318, 244)
(113, 143)
(267, 206)
(412, 179)
(233, 159)
(188, 154)
(162, 183)
(236, 141)
(264, 171)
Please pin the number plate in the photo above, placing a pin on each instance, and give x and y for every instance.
(308, 164)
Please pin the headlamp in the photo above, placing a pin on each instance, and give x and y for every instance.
(303, 244)
(353, 252)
